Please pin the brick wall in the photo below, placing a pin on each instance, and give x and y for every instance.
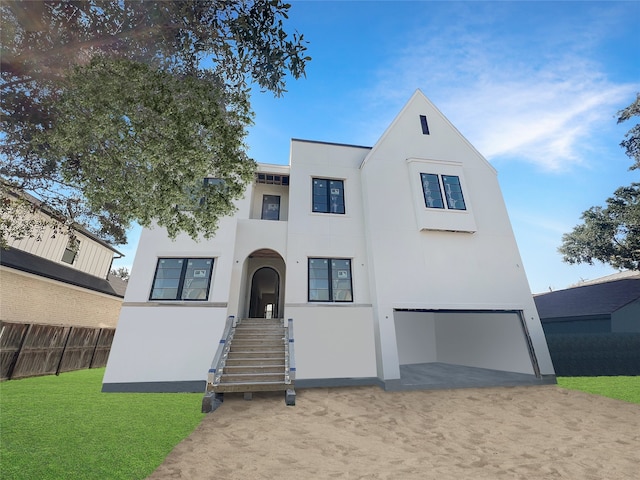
(28, 298)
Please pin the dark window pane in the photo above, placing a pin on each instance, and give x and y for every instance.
(328, 196)
(431, 190)
(424, 124)
(270, 207)
(453, 192)
(323, 269)
(182, 279)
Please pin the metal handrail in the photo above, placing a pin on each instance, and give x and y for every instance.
(219, 360)
(290, 357)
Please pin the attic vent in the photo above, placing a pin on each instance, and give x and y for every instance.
(425, 126)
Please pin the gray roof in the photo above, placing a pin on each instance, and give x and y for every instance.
(29, 263)
(588, 300)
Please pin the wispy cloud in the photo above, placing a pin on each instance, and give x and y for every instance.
(512, 99)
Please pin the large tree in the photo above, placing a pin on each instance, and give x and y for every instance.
(114, 112)
(611, 234)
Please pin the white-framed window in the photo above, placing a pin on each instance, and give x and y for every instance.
(440, 188)
(182, 279)
(328, 196)
(330, 280)
(71, 251)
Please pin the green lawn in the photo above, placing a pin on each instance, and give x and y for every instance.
(621, 388)
(65, 428)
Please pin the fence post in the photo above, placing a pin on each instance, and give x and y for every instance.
(15, 359)
(66, 341)
(95, 347)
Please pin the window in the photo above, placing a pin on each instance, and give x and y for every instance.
(182, 279)
(271, 207)
(424, 124)
(328, 196)
(198, 193)
(71, 251)
(330, 280)
(433, 189)
(272, 179)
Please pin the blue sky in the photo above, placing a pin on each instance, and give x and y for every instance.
(534, 86)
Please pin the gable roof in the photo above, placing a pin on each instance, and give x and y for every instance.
(430, 110)
(26, 262)
(588, 300)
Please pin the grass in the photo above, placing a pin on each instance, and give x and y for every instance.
(621, 388)
(65, 428)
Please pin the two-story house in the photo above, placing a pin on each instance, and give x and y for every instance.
(393, 261)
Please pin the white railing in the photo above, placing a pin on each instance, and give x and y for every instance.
(220, 358)
(289, 355)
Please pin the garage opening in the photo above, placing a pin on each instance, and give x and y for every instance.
(453, 348)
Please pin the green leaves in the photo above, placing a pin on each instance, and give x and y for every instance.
(132, 137)
(610, 235)
(109, 109)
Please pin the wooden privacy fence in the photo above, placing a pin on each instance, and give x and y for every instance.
(29, 349)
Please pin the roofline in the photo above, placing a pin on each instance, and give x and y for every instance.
(57, 216)
(330, 143)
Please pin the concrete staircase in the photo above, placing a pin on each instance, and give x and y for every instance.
(256, 355)
(256, 358)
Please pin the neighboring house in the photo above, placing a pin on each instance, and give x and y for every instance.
(607, 305)
(58, 280)
(385, 257)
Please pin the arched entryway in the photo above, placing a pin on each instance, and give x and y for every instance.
(265, 294)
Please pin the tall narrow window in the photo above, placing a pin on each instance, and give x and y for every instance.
(424, 124)
(182, 279)
(328, 196)
(271, 207)
(431, 190)
(330, 280)
(71, 251)
(453, 192)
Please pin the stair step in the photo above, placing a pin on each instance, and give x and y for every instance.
(239, 354)
(250, 387)
(256, 345)
(256, 361)
(252, 377)
(233, 369)
(256, 338)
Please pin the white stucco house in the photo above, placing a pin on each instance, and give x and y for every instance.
(387, 258)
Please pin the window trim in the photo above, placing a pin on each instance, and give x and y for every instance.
(329, 280)
(181, 280)
(444, 198)
(328, 197)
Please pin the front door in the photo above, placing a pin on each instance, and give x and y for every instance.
(265, 291)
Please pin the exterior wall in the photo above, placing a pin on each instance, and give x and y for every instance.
(92, 258)
(29, 298)
(416, 336)
(333, 342)
(431, 267)
(627, 319)
(164, 344)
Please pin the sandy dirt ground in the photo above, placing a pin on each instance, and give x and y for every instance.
(539, 432)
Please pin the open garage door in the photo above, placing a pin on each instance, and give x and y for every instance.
(465, 344)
